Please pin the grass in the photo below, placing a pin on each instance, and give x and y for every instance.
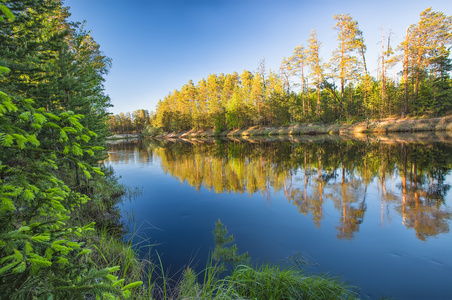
(248, 281)
(109, 251)
(276, 282)
(244, 281)
(263, 282)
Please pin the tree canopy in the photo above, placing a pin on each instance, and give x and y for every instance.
(305, 89)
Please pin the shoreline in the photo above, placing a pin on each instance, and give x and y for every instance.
(385, 138)
(123, 136)
(383, 126)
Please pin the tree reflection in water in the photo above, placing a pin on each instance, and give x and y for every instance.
(312, 171)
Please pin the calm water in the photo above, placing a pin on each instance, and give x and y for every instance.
(375, 210)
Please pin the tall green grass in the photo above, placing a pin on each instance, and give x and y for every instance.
(263, 282)
(109, 251)
(275, 282)
(248, 281)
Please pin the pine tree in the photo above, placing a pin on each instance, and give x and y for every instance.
(442, 66)
(344, 62)
(40, 255)
(432, 31)
(297, 65)
(315, 65)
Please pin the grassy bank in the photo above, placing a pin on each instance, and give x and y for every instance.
(244, 281)
(372, 126)
(264, 282)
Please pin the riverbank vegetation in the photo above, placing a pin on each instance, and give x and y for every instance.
(308, 88)
(247, 281)
(135, 122)
(60, 236)
(382, 126)
(55, 196)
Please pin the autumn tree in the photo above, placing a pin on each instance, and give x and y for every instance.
(200, 108)
(246, 83)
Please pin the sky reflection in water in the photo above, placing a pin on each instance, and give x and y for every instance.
(376, 212)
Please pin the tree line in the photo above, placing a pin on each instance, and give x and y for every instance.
(53, 124)
(130, 122)
(307, 89)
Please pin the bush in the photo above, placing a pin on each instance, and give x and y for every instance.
(151, 131)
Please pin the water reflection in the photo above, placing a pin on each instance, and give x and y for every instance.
(132, 153)
(410, 176)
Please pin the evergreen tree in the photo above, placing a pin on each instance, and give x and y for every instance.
(314, 61)
(344, 62)
(259, 99)
(297, 66)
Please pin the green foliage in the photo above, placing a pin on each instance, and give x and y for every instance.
(137, 122)
(41, 256)
(257, 282)
(442, 84)
(151, 131)
(57, 64)
(276, 282)
(8, 14)
(225, 249)
(189, 286)
(251, 99)
(219, 125)
(49, 152)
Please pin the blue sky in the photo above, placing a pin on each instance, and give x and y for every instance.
(157, 46)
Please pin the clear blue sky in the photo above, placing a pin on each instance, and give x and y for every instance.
(157, 46)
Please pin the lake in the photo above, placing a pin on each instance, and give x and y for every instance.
(375, 210)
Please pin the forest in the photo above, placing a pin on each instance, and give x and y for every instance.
(413, 79)
(60, 233)
(61, 237)
(54, 192)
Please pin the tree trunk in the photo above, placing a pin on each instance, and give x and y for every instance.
(365, 79)
(302, 88)
(383, 74)
(405, 73)
(418, 65)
